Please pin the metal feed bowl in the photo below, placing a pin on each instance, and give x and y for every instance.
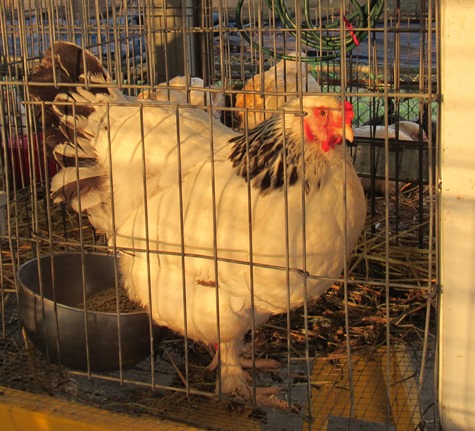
(59, 328)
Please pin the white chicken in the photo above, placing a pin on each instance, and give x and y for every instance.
(208, 223)
(175, 90)
(281, 78)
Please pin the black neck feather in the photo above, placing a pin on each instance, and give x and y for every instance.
(259, 156)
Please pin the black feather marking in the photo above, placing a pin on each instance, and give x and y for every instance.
(67, 132)
(293, 175)
(78, 110)
(259, 157)
(53, 137)
(67, 161)
(69, 191)
(266, 180)
(279, 175)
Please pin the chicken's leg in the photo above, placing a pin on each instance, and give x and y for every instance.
(259, 363)
(234, 380)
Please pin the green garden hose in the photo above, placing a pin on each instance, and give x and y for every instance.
(364, 16)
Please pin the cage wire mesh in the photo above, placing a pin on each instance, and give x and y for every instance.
(363, 353)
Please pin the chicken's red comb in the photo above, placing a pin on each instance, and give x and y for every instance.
(349, 114)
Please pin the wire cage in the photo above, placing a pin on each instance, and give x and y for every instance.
(363, 353)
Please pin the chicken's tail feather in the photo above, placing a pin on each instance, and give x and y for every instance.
(71, 81)
(68, 79)
(65, 63)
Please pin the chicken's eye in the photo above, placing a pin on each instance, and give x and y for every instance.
(323, 113)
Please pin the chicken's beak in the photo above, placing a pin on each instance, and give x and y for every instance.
(349, 134)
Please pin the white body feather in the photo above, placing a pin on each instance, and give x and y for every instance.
(277, 252)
